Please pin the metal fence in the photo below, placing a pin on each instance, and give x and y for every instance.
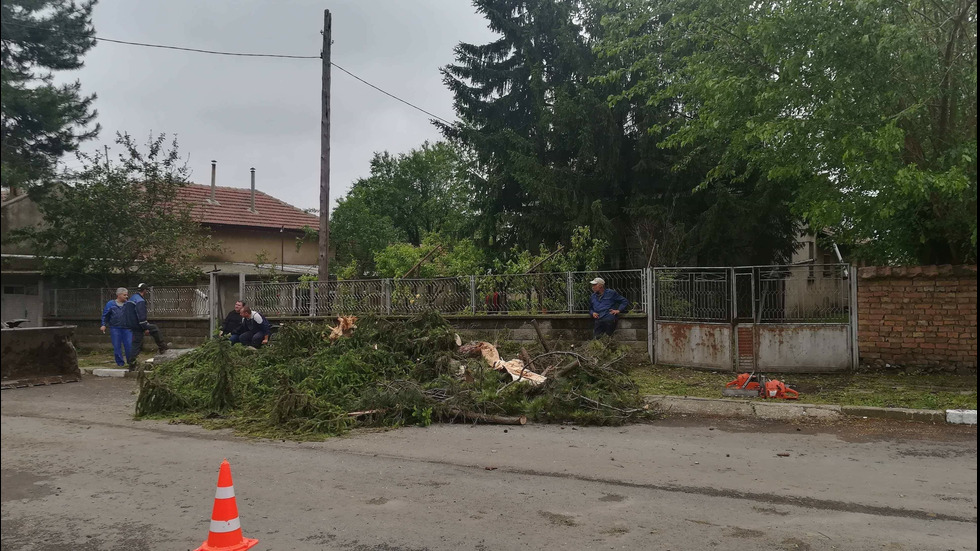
(547, 293)
(811, 293)
(161, 302)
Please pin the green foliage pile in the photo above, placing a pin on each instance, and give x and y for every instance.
(403, 371)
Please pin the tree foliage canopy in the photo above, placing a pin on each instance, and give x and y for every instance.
(557, 154)
(42, 120)
(406, 197)
(704, 132)
(866, 110)
(118, 218)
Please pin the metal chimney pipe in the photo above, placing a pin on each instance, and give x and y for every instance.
(214, 169)
(252, 170)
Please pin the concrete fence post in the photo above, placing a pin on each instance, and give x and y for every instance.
(649, 287)
(570, 291)
(473, 294)
(212, 304)
(386, 286)
(313, 285)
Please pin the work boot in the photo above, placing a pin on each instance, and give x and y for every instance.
(164, 347)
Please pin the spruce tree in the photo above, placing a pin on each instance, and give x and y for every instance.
(42, 120)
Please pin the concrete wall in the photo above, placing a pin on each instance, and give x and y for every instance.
(245, 245)
(920, 316)
(803, 348)
(186, 332)
(22, 298)
(632, 329)
(181, 332)
(701, 345)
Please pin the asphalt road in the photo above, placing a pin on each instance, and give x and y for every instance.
(79, 473)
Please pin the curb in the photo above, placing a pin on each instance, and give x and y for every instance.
(109, 372)
(788, 410)
(724, 407)
(898, 414)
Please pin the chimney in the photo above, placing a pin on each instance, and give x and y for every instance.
(214, 169)
(253, 189)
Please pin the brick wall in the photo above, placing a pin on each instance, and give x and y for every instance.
(921, 316)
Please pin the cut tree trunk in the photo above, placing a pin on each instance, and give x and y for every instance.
(516, 368)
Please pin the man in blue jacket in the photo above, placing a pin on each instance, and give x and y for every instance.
(119, 316)
(605, 306)
(144, 327)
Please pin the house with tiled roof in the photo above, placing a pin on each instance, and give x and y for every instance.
(257, 235)
(252, 226)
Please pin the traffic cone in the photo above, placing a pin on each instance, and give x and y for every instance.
(226, 530)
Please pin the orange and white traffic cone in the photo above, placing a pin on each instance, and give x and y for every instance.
(226, 530)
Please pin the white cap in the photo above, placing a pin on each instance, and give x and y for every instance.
(598, 281)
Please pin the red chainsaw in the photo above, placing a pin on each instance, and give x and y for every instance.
(750, 385)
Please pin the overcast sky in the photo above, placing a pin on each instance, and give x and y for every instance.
(265, 113)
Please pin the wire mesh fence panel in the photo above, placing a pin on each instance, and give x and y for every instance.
(447, 295)
(629, 283)
(522, 294)
(161, 301)
(693, 294)
(186, 301)
(67, 303)
(803, 294)
(365, 296)
(279, 299)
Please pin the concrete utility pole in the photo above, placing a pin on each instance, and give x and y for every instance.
(323, 273)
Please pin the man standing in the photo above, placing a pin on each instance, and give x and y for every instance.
(143, 327)
(233, 321)
(605, 306)
(256, 329)
(119, 317)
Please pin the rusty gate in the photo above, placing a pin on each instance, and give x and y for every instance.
(788, 318)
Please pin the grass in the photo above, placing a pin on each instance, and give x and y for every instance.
(863, 388)
(93, 358)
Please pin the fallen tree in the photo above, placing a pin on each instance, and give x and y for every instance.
(311, 382)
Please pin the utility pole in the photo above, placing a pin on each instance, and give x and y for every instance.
(323, 273)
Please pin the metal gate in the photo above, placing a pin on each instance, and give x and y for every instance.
(789, 318)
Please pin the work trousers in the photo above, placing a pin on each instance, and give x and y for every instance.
(138, 340)
(249, 338)
(604, 326)
(122, 344)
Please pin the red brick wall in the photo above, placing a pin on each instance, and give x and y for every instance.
(921, 316)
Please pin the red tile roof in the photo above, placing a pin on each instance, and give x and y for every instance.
(231, 208)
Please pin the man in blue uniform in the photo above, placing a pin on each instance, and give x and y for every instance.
(119, 317)
(605, 306)
(143, 327)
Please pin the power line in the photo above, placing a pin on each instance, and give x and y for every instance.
(246, 54)
(200, 51)
(389, 94)
(241, 54)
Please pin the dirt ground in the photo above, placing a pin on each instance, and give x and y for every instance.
(78, 472)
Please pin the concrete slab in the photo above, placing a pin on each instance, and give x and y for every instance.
(106, 372)
(778, 411)
(961, 416)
